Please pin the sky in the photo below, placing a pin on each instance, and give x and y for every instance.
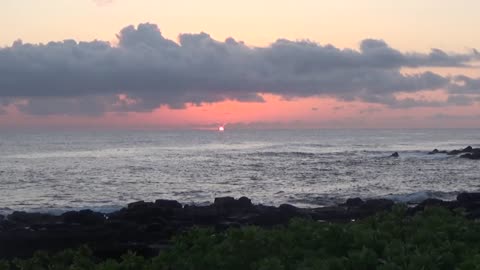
(246, 64)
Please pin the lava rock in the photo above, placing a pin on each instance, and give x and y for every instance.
(139, 204)
(468, 197)
(25, 218)
(288, 208)
(436, 151)
(467, 149)
(168, 204)
(83, 217)
(231, 203)
(244, 202)
(475, 156)
(224, 202)
(354, 202)
(375, 205)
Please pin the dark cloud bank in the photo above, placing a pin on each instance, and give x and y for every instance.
(86, 78)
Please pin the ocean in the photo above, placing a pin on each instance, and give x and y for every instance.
(55, 171)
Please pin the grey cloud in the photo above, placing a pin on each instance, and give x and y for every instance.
(370, 110)
(466, 85)
(442, 116)
(452, 100)
(85, 106)
(460, 100)
(73, 77)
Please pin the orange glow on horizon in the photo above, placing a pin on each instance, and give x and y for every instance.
(274, 112)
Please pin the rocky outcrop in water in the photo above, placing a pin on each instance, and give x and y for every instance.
(395, 155)
(146, 227)
(468, 152)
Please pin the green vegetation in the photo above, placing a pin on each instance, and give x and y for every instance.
(433, 239)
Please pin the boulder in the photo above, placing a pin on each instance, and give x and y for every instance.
(395, 154)
(244, 202)
(454, 152)
(475, 156)
(467, 149)
(225, 202)
(202, 215)
(354, 202)
(168, 204)
(376, 205)
(468, 197)
(139, 204)
(436, 151)
(288, 209)
(231, 203)
(83, 217)
(21, 217)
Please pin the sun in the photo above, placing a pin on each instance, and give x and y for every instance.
(221, 128)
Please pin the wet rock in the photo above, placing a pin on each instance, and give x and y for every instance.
(168, 204)
(468, 197)
(203, 215)
(376, 205)
(395, 154)
(289, 209)
(139, 204)
(474, 156)
(432, 202)
(143, 226)
(25, 218)
(436, 151)
(354, 202)
(229, 204)
(467, 149)
(244, 202)
(224, 202)
(83, 217)
(454, 152)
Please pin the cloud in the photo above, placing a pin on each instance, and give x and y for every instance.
(149, 71)
(370, 110)
(466, 85)
(455, 117)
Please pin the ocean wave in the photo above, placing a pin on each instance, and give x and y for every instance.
(284, 154)
(420, 196)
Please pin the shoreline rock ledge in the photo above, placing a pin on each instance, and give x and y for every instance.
(468, 152)
(147, 227)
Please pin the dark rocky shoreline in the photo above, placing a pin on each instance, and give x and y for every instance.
(147, 227)
(468, 152)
